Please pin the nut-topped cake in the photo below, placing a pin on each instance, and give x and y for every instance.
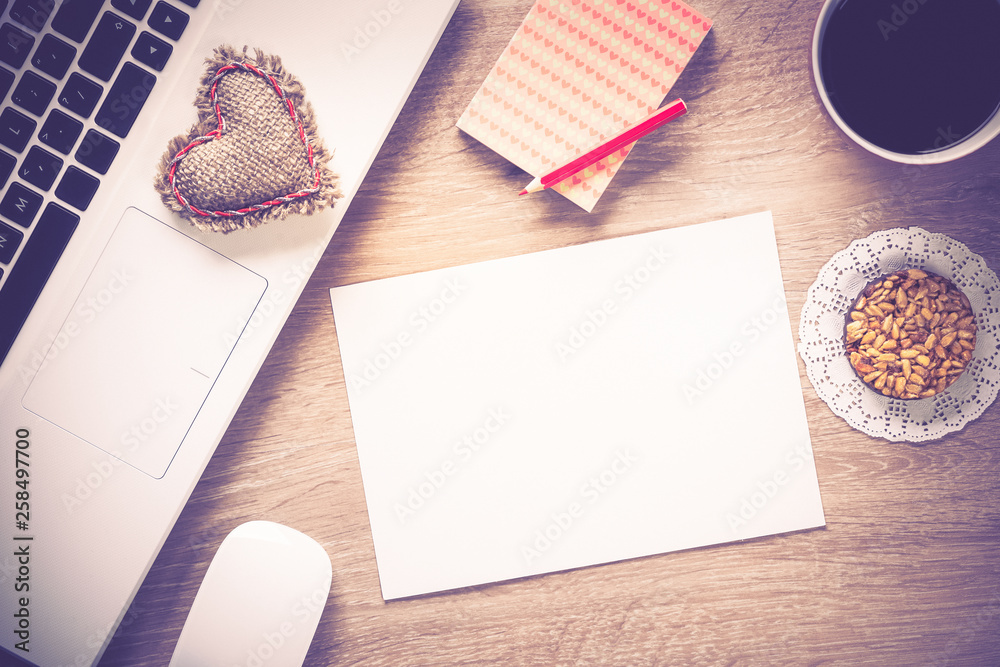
(910, 334)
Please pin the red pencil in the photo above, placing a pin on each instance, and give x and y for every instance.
(659, 117)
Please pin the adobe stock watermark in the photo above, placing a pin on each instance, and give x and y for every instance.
(209, 536)
(898, 17)
(419, 321)
(562, 521)
(8, 567)
(128, 101)
(365, 33)
(271, 642)
(946, 136)
(160, 412)
(33, 20)
(86, 311)
(899, 193)
(463, 451)
(96, 637)
(973, 628)
(724, 360)
(136, 611)
(275, 299)
(224, 7)
(590, 323)
(767, 487)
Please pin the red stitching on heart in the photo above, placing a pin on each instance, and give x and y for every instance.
(216, 133)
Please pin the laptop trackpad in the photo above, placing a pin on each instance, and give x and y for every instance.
(144, 343)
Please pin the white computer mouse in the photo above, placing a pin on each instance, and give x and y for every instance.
(260, 600)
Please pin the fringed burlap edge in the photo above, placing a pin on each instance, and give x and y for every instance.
(328, 191)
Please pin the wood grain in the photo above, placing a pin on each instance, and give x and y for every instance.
(907, 570)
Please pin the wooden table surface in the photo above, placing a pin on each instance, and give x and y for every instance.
(907, 569)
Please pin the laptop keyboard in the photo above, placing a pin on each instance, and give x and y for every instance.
(61, 129)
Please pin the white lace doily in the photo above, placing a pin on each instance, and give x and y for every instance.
(821, 335)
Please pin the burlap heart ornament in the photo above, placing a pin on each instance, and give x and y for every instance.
(253, 155)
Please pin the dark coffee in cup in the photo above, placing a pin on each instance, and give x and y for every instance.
(912, 77)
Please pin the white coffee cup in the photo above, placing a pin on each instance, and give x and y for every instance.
(986, 132)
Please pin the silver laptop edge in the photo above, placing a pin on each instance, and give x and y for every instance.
(95, 516)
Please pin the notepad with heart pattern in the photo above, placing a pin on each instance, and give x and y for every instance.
(576, 72)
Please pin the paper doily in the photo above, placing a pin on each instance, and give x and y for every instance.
(821, 335)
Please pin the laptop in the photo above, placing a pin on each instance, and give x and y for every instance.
(128, 336)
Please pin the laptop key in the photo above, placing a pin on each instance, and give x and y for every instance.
(60, 131)
(152, 51)
(74, 18)
(33, 93)
(133, 8)
(168, 20)
(15, 129)
(40, 168)
(10, 239)
(191, 3)
(53, 56)
(125, 99)
(97, 151)
(34, 266)
(6, 81)
(15, 45)
(106, 46)
(80, 95)
(32, 14)
(7, 164)
(20, 204)
(77, 188)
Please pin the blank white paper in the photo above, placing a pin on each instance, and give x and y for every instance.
(577, 406)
